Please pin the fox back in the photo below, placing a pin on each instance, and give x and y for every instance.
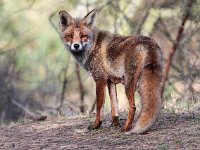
(111, 59)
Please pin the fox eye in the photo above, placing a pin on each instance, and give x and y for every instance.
(68, 36)
(84, 36)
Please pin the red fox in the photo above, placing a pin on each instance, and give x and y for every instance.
(134, 61)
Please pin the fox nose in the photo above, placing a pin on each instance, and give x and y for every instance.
(76, 46)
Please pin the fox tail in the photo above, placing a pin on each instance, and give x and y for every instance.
(150, 92)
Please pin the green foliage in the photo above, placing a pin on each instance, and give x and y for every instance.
(28, 32)
(37, 59)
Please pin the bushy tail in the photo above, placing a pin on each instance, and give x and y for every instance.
(150, 92)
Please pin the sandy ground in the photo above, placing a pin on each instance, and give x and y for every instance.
(172, 131)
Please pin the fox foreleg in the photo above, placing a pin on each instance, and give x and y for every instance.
(113, 102)
(100, 94)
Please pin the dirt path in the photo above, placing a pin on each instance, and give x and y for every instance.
(172, 131)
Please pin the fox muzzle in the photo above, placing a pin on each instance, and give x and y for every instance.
(76, 47)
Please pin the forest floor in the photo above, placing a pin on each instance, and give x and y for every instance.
(172, 131)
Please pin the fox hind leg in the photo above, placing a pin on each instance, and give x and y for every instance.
(130, 89)
(130, 92)
(150, 91)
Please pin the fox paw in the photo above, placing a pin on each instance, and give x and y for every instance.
(95, 126)
(115, 121)
(126, 128)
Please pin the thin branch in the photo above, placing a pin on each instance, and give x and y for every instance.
(18, 11)
(105, 4)
(142, 22)
(17, 47)
(81, 88)
(93, 106)
(22, 107)
(52, 23)
(64, 87)
(165, 31)
(127, 19)
(175, 46)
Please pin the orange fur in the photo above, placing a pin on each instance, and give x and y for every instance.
(113, 59)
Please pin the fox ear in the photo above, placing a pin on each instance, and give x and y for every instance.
(89, 19)
(65, 20)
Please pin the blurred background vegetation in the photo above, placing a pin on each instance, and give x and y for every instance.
(39, 77)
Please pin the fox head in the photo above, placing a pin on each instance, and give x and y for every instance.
(77, 34)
